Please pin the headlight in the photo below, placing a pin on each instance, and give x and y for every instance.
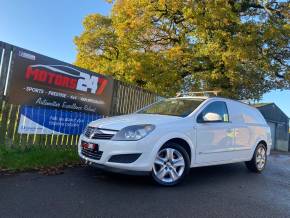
(133, 133)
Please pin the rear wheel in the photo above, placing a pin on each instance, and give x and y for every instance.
(170, 165)
(258, 162)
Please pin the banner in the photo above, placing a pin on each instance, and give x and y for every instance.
(37, 80)
(36, 120)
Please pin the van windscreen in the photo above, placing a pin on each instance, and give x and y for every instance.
(174, 107)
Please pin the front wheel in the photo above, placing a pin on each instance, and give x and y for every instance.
(170, 165)
(258, 162)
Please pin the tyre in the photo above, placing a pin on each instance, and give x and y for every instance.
(258, 162)
(171, 165)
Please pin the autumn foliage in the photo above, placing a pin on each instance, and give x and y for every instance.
(239, 47)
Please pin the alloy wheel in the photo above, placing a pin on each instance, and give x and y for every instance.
(261, 158)
(169, 165)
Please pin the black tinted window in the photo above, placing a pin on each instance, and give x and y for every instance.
(217, 107)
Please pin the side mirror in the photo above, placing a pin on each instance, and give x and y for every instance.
(212, 117)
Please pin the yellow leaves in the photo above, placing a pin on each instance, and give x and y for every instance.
(174, 52)
(215, 75)
(155, 44)
(286, 27)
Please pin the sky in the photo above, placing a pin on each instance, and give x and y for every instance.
(49, 27)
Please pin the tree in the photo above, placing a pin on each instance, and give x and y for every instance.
(240, 47)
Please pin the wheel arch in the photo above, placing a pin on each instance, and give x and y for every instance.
(177, 137)
(260, 141)
(264, 143)
(183, 143)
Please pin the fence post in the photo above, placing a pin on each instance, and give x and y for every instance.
(114, 98)
(4, 67)
(3, 124)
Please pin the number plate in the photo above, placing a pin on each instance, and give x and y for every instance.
(91, 146)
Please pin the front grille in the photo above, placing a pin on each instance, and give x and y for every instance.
(98, 133)
(96, 155)
(102, 136)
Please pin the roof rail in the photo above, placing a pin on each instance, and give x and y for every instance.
(246, 101)
(198, 94)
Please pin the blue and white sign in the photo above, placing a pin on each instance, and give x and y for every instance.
(36, 120)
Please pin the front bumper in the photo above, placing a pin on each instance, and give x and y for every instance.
(109, 148)
(114, 169)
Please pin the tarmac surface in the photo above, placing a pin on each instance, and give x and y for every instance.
(218, 191)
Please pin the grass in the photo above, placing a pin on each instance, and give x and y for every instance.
(22, 159)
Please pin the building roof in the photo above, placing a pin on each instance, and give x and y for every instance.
(272, 112)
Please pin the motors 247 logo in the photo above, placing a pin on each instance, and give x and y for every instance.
(62, 76)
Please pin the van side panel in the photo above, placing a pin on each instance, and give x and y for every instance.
(250, 127)
(243, 113)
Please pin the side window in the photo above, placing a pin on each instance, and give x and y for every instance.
(215, 109)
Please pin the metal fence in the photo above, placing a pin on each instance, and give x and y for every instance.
(126, 99)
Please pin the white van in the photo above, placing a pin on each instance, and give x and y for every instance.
(169, 137)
